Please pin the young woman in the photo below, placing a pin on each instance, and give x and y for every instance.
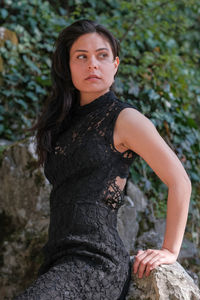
(87, 139)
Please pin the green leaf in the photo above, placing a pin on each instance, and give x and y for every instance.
(22, 103)
(31, 65)
(4, 13)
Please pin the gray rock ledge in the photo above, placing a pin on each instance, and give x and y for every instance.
(166, 282)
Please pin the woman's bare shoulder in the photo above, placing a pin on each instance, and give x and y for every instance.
(132, 117)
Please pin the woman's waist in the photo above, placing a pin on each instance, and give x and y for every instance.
(109, 247)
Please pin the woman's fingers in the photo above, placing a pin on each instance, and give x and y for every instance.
(147, 263)
(138, 258)
(147, 260)
(155, 261)
(143, 260)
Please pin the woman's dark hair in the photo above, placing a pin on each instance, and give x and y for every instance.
(63, 94)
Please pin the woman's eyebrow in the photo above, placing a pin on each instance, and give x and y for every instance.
(99, 49)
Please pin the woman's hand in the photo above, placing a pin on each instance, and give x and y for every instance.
(147, 260)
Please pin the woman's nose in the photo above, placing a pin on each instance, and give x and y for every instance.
(92, 63)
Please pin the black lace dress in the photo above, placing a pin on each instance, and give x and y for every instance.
(84, 257)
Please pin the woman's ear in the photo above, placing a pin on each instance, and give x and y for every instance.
(116, 63)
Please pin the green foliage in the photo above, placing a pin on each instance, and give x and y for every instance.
(25, 78)
(159, 72)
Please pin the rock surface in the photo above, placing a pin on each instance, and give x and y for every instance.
(5, 35)
(130, 214)
(24, 211)
(166, 282)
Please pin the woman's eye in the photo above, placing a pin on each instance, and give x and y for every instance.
(103, 55)
(81, 56)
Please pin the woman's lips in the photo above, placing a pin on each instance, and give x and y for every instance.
(93, 77)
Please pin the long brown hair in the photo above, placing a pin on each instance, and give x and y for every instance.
(63, 94)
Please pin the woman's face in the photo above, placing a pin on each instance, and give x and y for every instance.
(92, 66)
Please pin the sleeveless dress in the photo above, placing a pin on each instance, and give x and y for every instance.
(85, 258)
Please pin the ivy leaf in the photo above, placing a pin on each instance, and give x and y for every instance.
(31, 65)
(4, 13)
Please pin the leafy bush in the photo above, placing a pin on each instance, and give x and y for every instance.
(26, 76)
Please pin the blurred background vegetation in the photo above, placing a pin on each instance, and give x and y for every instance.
(159, 73)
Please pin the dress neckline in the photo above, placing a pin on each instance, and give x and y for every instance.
(94, 104)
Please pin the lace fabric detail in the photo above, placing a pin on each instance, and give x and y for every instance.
(100, 125)
(59, 150)
(114, 194)
(88, 176)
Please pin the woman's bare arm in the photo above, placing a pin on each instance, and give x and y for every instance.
(136, 132)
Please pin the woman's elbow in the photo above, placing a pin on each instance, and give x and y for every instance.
(182, 183)
(186, 187)
(187, 183)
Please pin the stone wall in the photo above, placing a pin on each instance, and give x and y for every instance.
(24, 217)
